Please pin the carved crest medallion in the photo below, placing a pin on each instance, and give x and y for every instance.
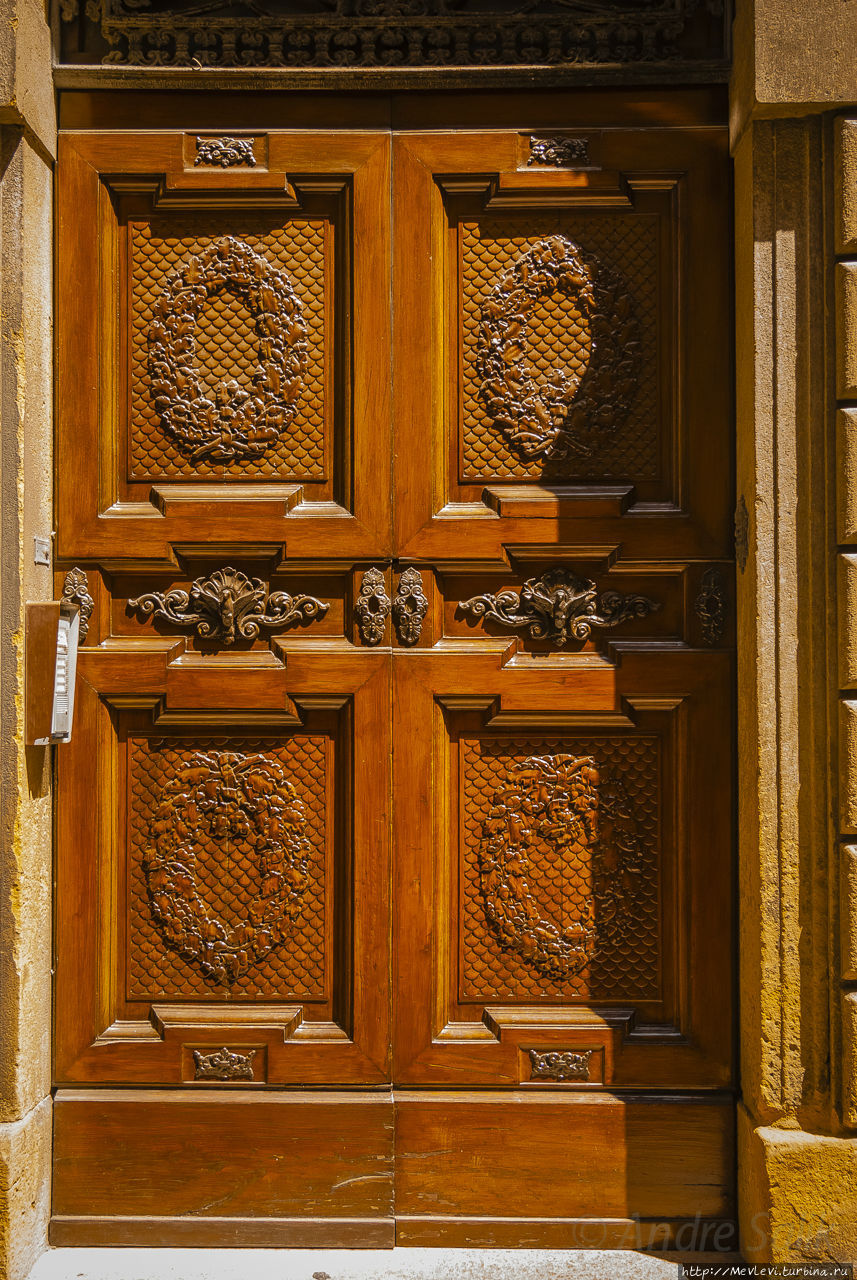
(219, 804)
(582, 810)
(559, 607)
(567, 412)
(227, 606)
(228, 421)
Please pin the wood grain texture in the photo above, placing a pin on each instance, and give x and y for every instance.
(230, 1156)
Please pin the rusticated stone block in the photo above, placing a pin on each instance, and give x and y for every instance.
(848, 766)
(845, 180)
(846, 330)
(848, 912)
(846, 475)
(846, 575)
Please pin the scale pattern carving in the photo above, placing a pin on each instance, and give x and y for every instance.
(227, 822)
(227, 342)
(559, 337)
(565, 948)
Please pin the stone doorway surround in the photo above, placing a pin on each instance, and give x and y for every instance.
(794, 135)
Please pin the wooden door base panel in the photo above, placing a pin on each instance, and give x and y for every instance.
(714, 1235)
(225, 1233)
(304, 1168)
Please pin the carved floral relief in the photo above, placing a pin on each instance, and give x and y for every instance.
(230, 421)
(219, 801)
(580, 807)
(568, 412)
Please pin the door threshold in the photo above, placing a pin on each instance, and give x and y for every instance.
(365, 1264)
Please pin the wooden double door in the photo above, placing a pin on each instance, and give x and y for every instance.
(394, 840)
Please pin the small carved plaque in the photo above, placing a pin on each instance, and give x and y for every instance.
(225, 153)
(223, 1064)
(560, 1065)
(559, 152)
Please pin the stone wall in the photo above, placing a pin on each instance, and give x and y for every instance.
(27, 137)
(796, 339)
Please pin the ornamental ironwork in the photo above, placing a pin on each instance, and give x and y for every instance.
(559, 607)
(227, 606)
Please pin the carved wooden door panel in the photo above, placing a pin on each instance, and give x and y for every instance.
(394, 799)
(220, 435)
(562, 726)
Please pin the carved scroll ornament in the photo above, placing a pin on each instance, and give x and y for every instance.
(559, 607)
(75, 587)
(410, 606)
(582, 809)
(219, 799)
(223, 1064)
(227, 606)
(225, 153)
(372, 606)
(567, 413)
(233, 422)
(561, 1065)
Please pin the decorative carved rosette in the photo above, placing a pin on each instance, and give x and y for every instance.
(75, 587)
(223, 1064)
(223, 799)
(582, 810)
(410, 606)
(566, 414)
(558, 152)
(559, 607)
(228, 605)
(372, 606)
(233, 422)
(225, 153)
